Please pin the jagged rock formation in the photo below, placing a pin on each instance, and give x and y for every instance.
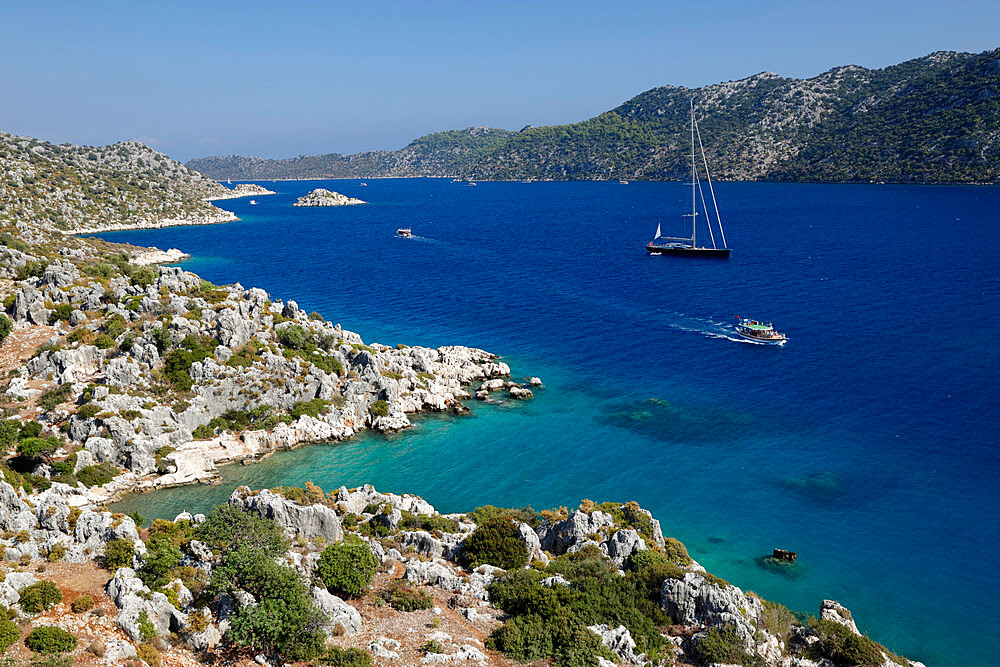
(933, 119)
(324, 197)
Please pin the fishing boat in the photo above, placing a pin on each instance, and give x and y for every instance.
(404, 231)
(667, 245)
(760, 332)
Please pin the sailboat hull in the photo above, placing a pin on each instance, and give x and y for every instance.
(688, 251)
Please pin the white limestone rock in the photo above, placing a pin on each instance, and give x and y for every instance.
(324, 197)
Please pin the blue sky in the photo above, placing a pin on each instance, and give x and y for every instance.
(282, 79)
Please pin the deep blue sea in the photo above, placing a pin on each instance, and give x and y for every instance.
(868, 443)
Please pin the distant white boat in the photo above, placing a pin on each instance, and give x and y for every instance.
(623, 182)
(364, 185)
(471, 183)
(404, 231)
(253, 202)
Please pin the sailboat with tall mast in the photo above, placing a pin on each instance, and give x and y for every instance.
(668, 245)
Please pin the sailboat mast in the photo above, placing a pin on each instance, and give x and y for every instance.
(694, 179)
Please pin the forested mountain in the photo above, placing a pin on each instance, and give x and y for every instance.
(935, 119)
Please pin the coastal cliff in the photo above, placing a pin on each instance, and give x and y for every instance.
(120, 376)
(935, 119)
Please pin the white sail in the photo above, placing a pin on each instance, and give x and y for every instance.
(657, 231)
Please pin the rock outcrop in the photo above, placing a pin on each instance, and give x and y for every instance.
(324, 197)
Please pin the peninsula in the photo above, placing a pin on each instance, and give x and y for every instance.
(120, 376)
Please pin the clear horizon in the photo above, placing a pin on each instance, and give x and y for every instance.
(251, 78)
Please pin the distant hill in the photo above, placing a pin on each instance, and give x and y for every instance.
(935, 119)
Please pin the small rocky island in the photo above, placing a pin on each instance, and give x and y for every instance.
(241, 190)
(324, 197)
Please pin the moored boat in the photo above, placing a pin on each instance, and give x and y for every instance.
(664, 245)
(760, 332)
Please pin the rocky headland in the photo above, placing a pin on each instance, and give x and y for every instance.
(324, 197)
(119, 375)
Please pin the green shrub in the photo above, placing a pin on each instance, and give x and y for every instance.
(723, 645)
(427, 522)
(229, 525)
(9, 429)
(777, 619)
(161, 338)
(9, 631)
(6, 326)
(51, 399)
(347, 569)
(51, 660)
(407, 598)
(379, 408)
(101, 270)
(104, 341)
(39, 597)
(676, 551)
(345, 657)
(293, 336)
(143, 276)
(313, 408)
(203, 432)
(844, 648)
(31, 429)
(495, 542)
(50, 639)
(118, 554)
(431, 646)
(98, 474)
(62, 312)
(82, 604)
(147, 631)
(522, 514)
(161, 555)
(88, 411)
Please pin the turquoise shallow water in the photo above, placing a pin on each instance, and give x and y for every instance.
(866, 443)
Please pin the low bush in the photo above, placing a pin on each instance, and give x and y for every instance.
(104, 341)
(313, 408)
(407, 598)
(147, 631)
(723, 645)
(61, 313)
(82, 604)
(777, 619)
(345, 657)
(39, 597)
(293, 336)
(52, 398)
(88, 411)
(9, 631)
(427, 522)
(143, 276)
(676, 551)
(431, 646)
(149, 655)
(118, 554)
(521, 514)
(844, 648)
(347, 569)
(6, 326)
(50, 639)
(379, 408)
(495, 542)
(98, 475)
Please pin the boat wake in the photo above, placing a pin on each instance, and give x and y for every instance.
(710, 329)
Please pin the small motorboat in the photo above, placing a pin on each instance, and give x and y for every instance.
(253, 202)
(364, 185)
(760, 332)
(404, 231)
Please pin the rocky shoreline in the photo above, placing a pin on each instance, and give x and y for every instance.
(203, 219)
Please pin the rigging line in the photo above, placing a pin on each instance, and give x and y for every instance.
(710, 188)
(708, 218)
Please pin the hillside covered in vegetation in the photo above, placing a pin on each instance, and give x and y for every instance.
(934, 119)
